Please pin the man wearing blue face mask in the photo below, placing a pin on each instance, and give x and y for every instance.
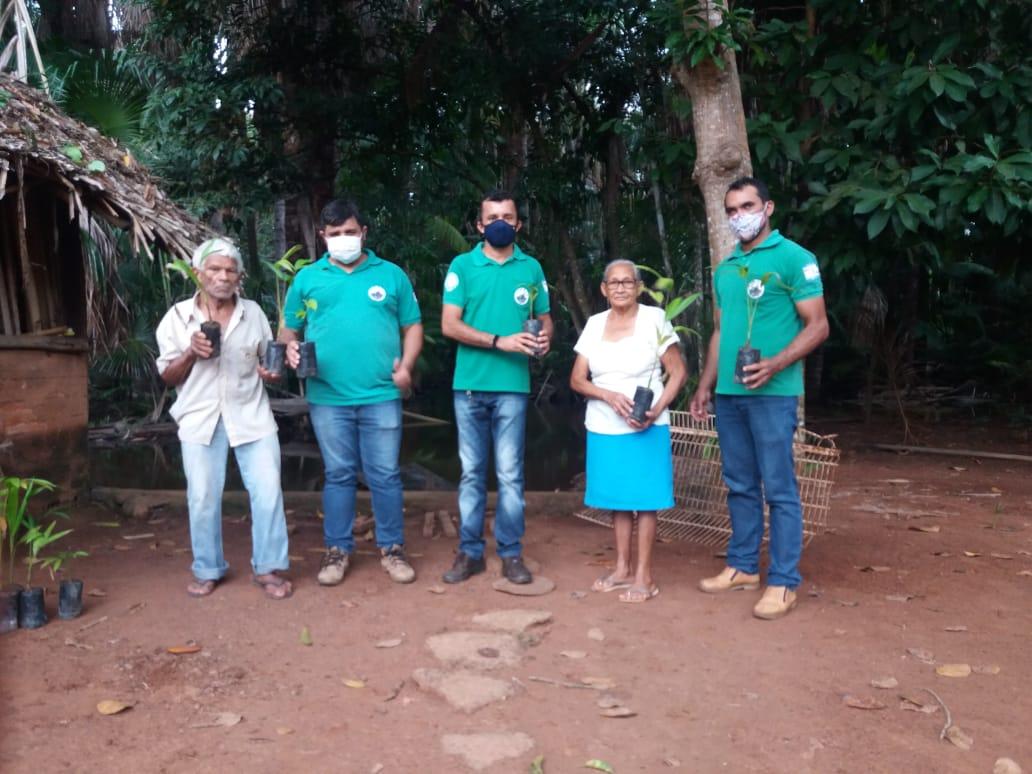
(362, 314)
(488, 294)
(769, 297)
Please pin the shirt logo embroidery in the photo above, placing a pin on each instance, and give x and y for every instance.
(376, 293)
(811, 272)
(451, 281)
(521, 296)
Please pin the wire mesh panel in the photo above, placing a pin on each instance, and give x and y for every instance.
(700, 498)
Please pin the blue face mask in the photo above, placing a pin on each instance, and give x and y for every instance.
(498, 233)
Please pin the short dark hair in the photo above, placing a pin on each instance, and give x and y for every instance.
(744, 182)
(340, 210)
(498, 195)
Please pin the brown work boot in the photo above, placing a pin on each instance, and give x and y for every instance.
(393, 560)
(729, 579)
(775, 603)
(333, 567)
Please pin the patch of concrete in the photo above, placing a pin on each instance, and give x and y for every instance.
(483, 750)
(536, 588)
(476, 650)
(514, 621)
(463, 690)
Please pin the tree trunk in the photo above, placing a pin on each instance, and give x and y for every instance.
(718, 119)
(611, 197)
(657, 197)
(85, 22)
(581, 301)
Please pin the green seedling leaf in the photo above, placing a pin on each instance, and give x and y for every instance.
(96, 166)
(74, 152)
(599, 765)
(537, 766)
(306, 636)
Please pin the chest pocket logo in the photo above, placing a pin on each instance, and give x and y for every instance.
(521, 296)
(377, 293)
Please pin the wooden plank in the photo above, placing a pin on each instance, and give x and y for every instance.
(28, 281)
(45, 343)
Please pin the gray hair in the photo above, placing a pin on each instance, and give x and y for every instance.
(621, 262)
(216, 246)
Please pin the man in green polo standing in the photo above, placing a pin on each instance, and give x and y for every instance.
(488, 294)
(769, 298)
(362, 314)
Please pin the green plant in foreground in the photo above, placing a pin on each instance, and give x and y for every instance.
(673, 306)
(15, 495)
(285, 270)
(37, 538)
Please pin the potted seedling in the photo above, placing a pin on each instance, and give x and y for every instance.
(754, 290)
(672, 307)
(15, 494)
(210, 328)
(307, 365)
(532, 324)
(32, 612)
(284, 271)
(69, 595)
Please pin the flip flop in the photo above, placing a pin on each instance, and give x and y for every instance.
(201, 588)
(638, 594)
(274, 584)
(608, 583)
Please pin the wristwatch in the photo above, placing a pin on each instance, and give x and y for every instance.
(494, 342)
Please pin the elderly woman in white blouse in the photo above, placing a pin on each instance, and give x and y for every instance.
(629, 463)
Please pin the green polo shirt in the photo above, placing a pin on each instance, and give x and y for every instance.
(793, 276)
(356, 327)
(494, 297)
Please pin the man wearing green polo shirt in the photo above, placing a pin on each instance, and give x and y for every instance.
(362, 314)
(488, 294)
(769, 297)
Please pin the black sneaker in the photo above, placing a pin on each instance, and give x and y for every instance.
(515, 570)
(464, 568)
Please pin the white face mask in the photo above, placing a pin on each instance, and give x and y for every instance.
(345, 248)
(747, 225)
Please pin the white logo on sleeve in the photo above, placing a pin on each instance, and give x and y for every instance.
(544, 287)
(811, 272)
(377, 293)
(451, 281)
(521, 296)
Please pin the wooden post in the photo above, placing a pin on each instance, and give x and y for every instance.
(28, 281)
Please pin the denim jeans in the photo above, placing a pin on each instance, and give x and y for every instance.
(755, 433)
(370, 436)
(486, 420)
(205, 468)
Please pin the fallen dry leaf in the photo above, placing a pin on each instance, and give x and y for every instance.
(284, 731)
(608, 701)
(112, 707)
(600, 683)
(953, 670)
(110, 524)
(141, 536)
(874, 568)
(925, 528)
(995, 555)
(573, 653)
(971, 554)
(846, 602)
(392, 643)
(222, 720)
(436, 589)
(1025, 573)
(884, 682)
(182, 650)
(352, 683)
(1006, 766)
(96, 593)
(899, 597)
(959, 628)
(917, 705)
(618, 712)
(897, 481)
(599, 765)
(959, 738)
(596, 634)
(862, 702)
(306, 636)
(121, 547)
(921, 654)
(986, 669)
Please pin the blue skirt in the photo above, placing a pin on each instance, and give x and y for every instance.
(632, 472)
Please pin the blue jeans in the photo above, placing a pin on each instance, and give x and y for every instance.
(205, 468)
(486, 419)
(755, 433)
(370, 436)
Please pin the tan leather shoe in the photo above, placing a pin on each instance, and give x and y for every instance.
(775, 603)
(729, 579)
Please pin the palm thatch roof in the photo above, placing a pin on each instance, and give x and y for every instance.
(98, 178)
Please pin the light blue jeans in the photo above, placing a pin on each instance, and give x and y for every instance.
(370, 436)
(755, 433)
(486, 420)
(205, 468)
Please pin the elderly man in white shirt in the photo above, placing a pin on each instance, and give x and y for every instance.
(221, 404)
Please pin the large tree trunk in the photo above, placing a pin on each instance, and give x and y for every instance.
(722, 146)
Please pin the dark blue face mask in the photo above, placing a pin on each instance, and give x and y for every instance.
(498, 233)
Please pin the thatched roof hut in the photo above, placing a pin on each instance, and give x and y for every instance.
(59, 180)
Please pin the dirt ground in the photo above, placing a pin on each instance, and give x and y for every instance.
(714, 689)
